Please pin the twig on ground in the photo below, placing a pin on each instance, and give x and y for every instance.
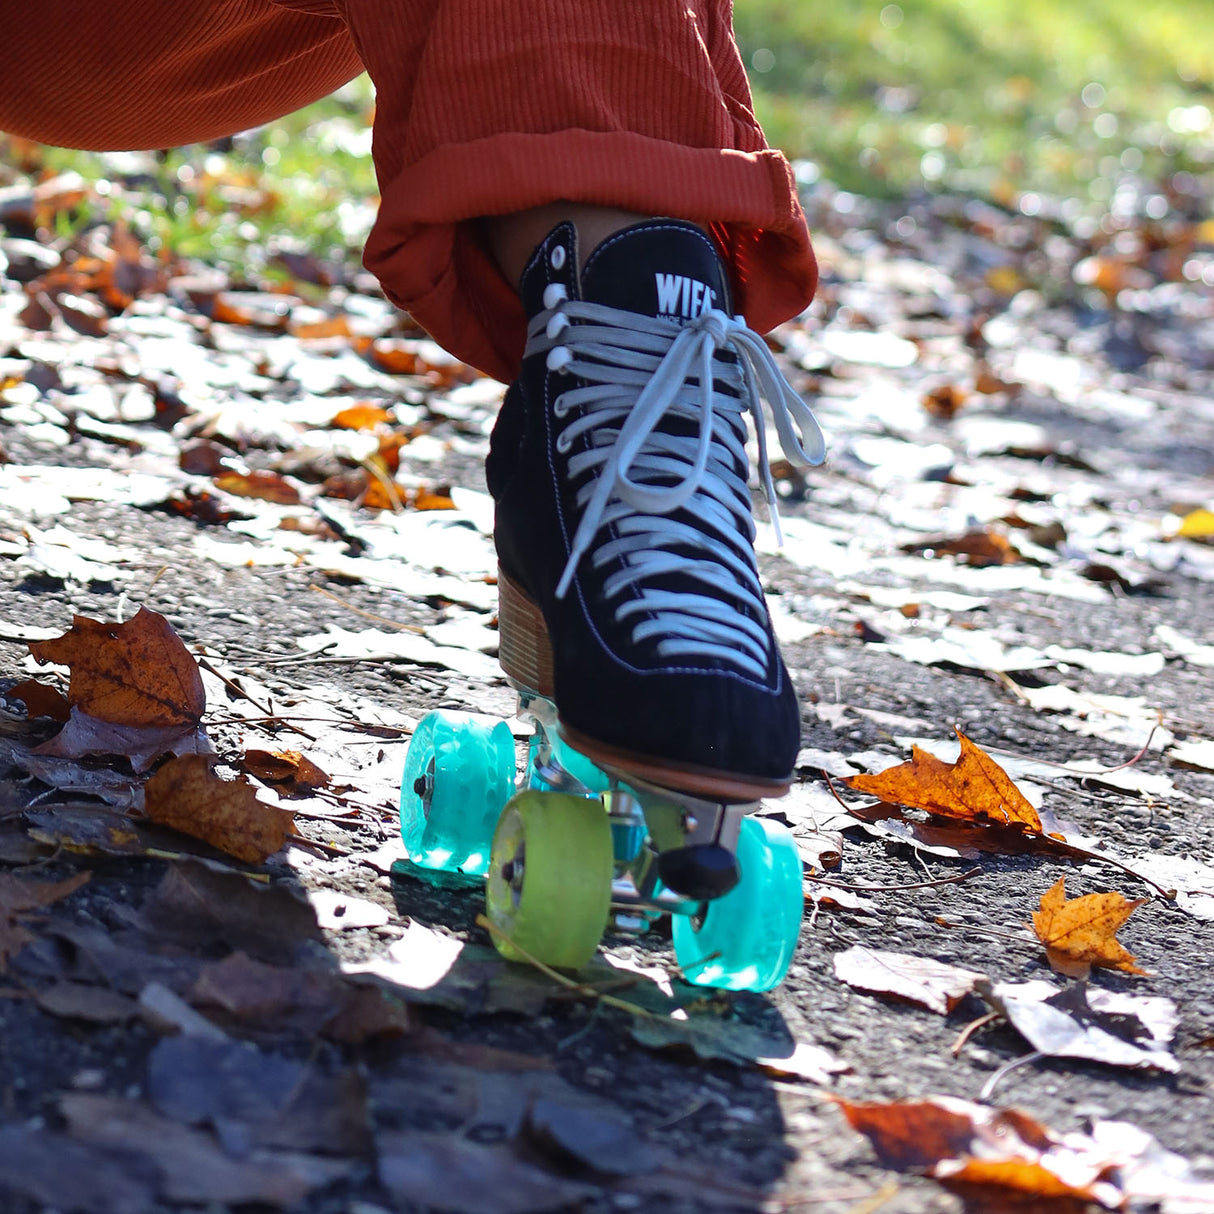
(970, 1029)
(590, 992)
(989, 1086)
(386, 483)
(387, 731)
(324, 848)
(367, 615)
(941, 921)
(882, 889)
(237, 690)
(697, 1103)
(868, 1203)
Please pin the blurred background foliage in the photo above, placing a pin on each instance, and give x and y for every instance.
(992, 97)
(1067, 110)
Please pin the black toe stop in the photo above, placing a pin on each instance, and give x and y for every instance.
(703, 872)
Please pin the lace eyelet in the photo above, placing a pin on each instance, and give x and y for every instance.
(564, 444)
(554, 293)
(559, 408)
(556, 259)
(557, 325)
(559, 357)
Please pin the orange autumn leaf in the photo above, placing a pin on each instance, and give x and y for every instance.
(979, 548)
(945, 401)
(137, 673)
(961, 1142)
(431, 499)
(264, 486)
(318, 330)
(284, 767)
(361, 417)
(395, 357)
(973, 789)
(229, 314)
(188, 796)
(388, 455)
(1079, 933)
(381, 493)
(41, 700)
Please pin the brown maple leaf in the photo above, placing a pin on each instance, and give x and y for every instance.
(138, 673)
(188, 796)
(973, 789)
(1081, 932)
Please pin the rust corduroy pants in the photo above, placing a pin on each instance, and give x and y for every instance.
(483, 107)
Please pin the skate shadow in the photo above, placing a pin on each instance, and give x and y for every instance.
(680, 1071)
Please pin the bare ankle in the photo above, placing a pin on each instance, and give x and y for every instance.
(514, 237)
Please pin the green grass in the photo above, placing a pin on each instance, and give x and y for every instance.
(305, 183)
(984, 95)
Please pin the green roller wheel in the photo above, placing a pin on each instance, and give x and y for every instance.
(459, 772)
(745, 940)
(549, 888)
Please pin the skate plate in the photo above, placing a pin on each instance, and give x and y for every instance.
(570, 849)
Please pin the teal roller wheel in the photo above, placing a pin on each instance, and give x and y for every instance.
(549, 888)
(745, 940)
(459, 772)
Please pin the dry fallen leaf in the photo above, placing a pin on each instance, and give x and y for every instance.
(40, 700)
(141, 744)
(286, 767)
(262, 485)
(431, 499)
(187, 795)
(365, 416)
(959, 1141)
(1081, 932)
(932, 984)
(322, 330)
(1197, 525)
(1109, 1027)
(973, 789)
(272, 998)
(945, 401)
(19, 896)
(976, 548)
(137, 673)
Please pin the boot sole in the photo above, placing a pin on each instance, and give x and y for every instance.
(525, 655)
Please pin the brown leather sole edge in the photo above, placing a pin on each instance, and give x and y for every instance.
(524, 651)
(702, 782)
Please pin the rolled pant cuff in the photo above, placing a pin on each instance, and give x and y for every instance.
(434, 262)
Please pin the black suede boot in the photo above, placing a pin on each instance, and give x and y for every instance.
(629, 589)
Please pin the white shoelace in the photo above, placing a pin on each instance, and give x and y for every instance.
(636, 371)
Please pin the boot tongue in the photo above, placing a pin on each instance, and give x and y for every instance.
(663, 267)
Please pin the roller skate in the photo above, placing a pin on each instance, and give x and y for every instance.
(633, 626)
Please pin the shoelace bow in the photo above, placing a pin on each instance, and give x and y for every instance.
(637, 371)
